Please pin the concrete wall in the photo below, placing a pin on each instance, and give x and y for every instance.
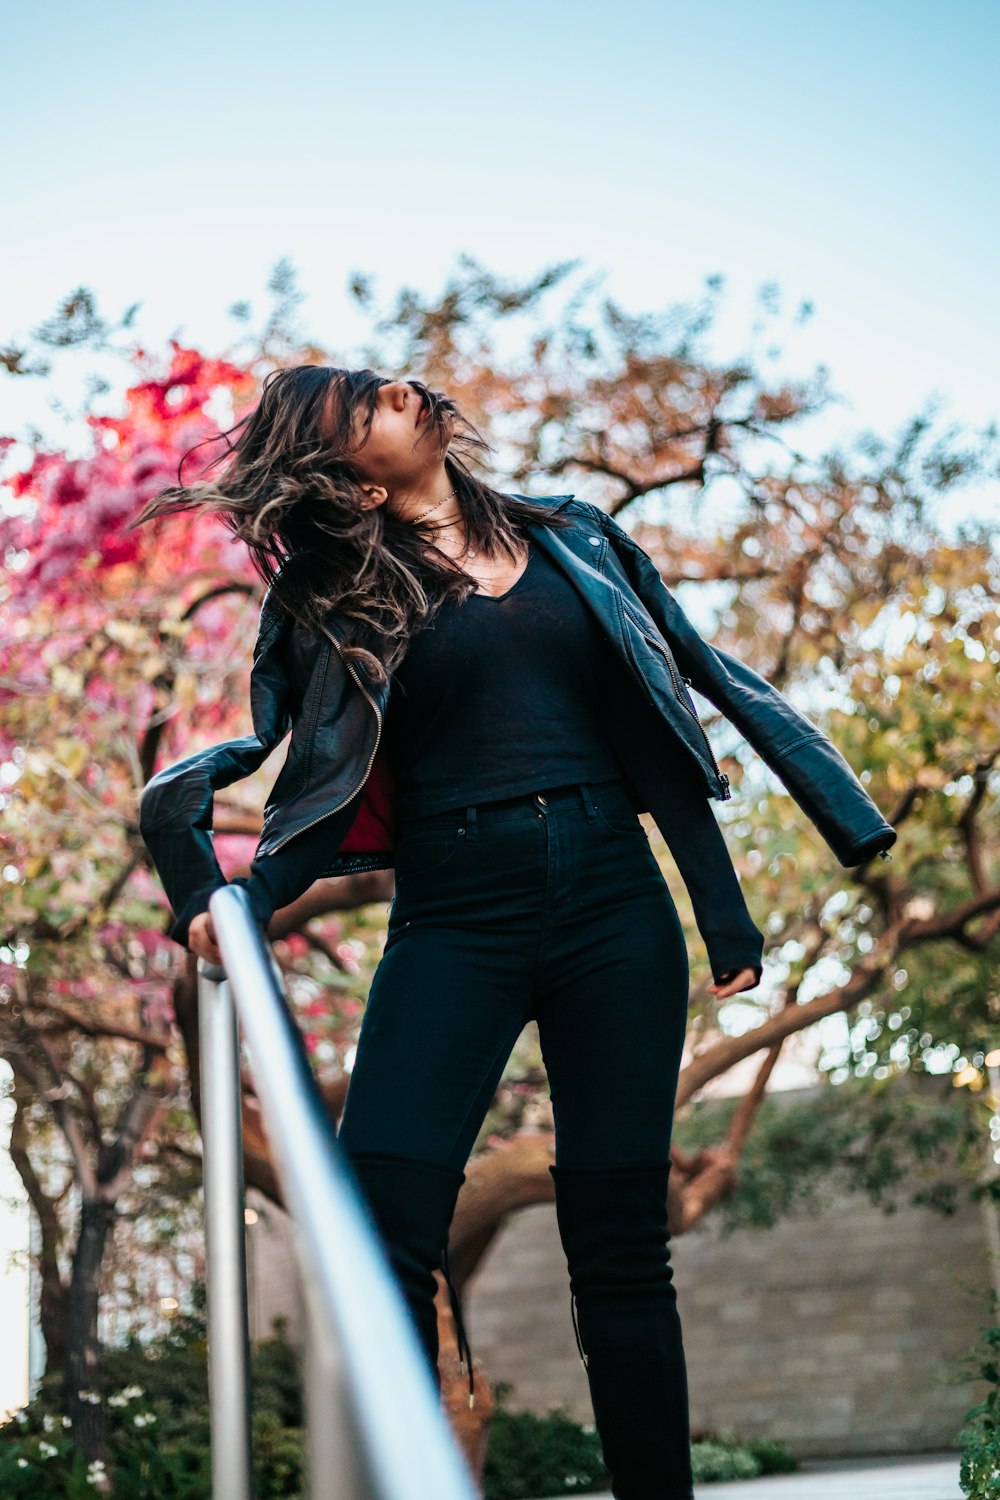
(832, 1333)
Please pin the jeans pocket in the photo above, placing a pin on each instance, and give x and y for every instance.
(620, 817)
(420, 853)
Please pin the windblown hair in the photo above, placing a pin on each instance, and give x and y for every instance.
(292, 494)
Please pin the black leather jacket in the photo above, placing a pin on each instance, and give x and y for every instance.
(334, 775)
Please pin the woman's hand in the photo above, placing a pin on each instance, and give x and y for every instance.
(201, 938)
(743, 979)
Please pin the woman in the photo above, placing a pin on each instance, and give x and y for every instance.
(483, 692)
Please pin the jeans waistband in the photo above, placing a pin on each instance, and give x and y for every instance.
(569, 794)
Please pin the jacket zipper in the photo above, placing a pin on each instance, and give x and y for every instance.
(721, 776)
(371, 759)
(682, 699)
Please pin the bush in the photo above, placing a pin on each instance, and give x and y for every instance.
(772, 1455)
(530, 1457)
(156, 1408)
(714, 1461)
(979, 1467)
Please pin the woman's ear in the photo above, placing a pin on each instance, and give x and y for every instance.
(375, 494)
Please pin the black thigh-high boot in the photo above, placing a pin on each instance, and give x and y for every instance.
(613, 1227)
(411, 1204)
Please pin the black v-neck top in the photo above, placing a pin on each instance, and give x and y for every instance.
(499, 696)
(503, 695)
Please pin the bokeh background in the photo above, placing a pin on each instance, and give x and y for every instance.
(584, 220)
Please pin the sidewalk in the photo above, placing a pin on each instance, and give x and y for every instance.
(920, 1476)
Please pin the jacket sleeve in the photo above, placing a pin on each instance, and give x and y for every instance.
(279, 878)
(176, 805)
(804, 759)
(176, 810)
(697, 843)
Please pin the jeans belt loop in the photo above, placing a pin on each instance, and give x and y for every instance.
(589, 805)
(470, 824)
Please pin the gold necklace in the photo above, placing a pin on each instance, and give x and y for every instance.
(427, 512)
(436, 506)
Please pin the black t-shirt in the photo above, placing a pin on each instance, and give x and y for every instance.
(499, 696)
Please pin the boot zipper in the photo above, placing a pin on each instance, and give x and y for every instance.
(371, 759)
(461, 1337)
(576, 1326)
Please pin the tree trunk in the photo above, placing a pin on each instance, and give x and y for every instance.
(96, 1224)
(53, 1298)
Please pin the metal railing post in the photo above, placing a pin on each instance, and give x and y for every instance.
(375, 1425)
(225, 1236)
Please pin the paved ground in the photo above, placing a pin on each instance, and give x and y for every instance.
(924, 1476)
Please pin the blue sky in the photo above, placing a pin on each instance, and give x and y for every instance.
(847, 154)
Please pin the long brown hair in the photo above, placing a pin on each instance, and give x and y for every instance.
(292, 494)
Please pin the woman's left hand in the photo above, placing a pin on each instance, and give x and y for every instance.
(744, 979)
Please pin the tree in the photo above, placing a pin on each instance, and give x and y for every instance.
(835, 580)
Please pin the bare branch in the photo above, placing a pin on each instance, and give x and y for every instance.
(953, 923)
(968, 822)
(91, 1026)
(144, 1109)
(869, 971)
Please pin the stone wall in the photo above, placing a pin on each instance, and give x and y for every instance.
(836, 1333)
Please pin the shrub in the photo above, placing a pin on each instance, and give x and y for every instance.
(530, 1457)
(979, 1467)
(772, 1455)
(711, 1461)
(156, 1408)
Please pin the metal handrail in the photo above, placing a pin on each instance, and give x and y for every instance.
(375, 1425)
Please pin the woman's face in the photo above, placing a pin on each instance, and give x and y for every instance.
(403, 444)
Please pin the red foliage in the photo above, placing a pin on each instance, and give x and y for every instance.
(76, 526)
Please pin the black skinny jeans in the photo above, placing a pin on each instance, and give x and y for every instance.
(548, 906)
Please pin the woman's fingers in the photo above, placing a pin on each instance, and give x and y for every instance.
(746, 979)
(201, 938)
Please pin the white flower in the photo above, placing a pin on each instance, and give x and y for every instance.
(48, 1421)
(144, 1419)
(67, 1421)
(119, 1400)
(90, 1396)
(22, 1463)
(21, 1417)
(95, 1471)
(46, 1450)
(133, 1392)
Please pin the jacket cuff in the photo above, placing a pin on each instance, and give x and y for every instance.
(739, 945)
(196, 902)
(723, 971)
(261, 902)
